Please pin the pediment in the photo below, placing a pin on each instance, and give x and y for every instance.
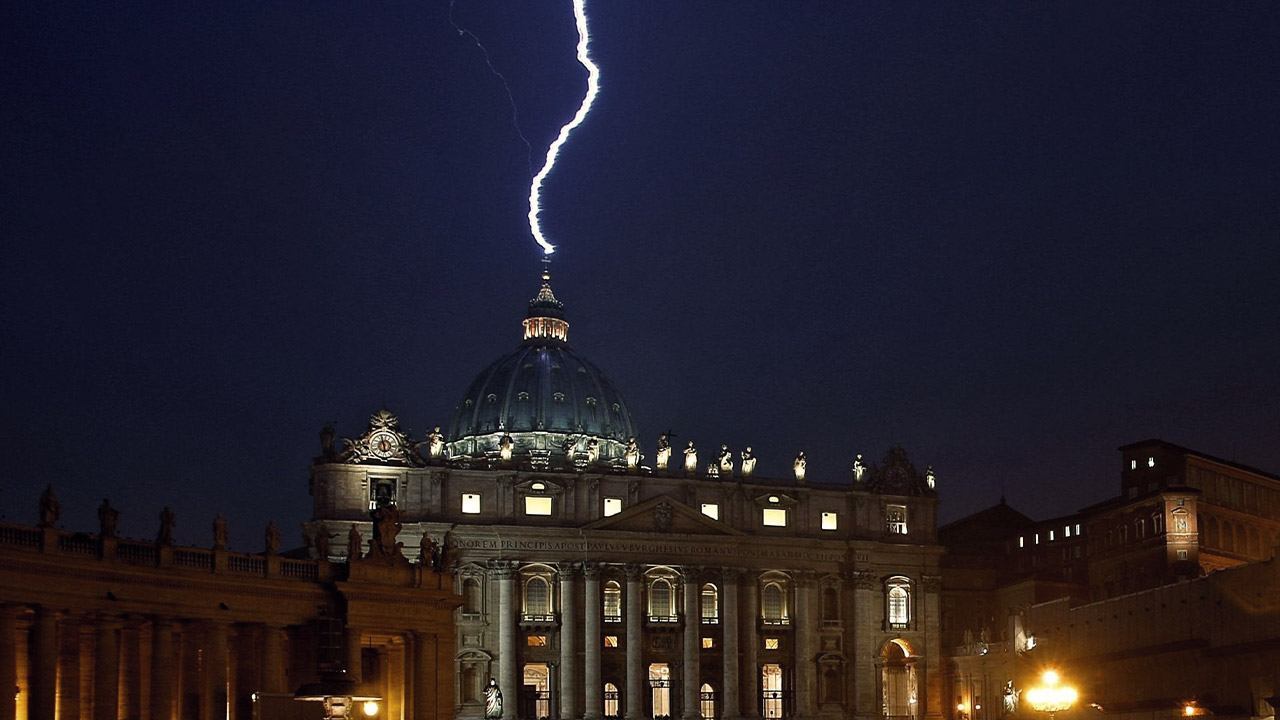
(663, 514)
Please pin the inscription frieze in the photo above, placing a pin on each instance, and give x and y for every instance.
(649, 549)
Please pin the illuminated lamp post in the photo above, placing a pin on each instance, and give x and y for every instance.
(1050, 696)
(335, 688)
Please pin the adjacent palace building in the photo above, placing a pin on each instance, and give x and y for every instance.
(598, 583)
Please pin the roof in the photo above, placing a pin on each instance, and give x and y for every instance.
(1196, 453)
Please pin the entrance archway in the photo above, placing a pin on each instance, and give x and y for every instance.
(899, 688)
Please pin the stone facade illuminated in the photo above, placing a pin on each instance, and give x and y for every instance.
(596, 584)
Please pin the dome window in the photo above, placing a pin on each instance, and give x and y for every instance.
(492, 398)
(558, 397)
(538, 486)
(617, 407)
(591, 401)
(522, 395)
(467, 402)
(582, 370)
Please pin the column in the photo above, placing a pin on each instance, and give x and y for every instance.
(162, 667)
(131, 668)
(928, 677)
(353, 655)
(692, 675)
(592, 609)
(273, 662)
(569, 689)
(635, 644)
(866, 672)
(427, 693)
(69, 670)
(750, 648)
(106, 668)
(729, 708)
(8, 661)
(804, 626)
(213, 675)
(44, 664)
(505, 573)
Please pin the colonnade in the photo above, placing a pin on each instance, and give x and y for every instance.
(579, 689)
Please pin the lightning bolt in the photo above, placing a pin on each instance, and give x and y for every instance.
(593, 87)
(515, 111)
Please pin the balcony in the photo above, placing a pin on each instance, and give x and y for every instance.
(536, 620)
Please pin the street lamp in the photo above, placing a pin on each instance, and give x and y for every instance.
(1050, 696)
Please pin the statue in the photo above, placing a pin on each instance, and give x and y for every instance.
(167, 521)
(354, 543)
(429, 552)
(1010, 698)
(386, 525)
(929, 477)
(632, 454)
(726, 461)
(859, 469)
(593, 450)
(327, 435)
(664, 452)
(492, 701)
(435, 444)
(108, 519)
(798, 466)
(219, 532)
(272, 538)
(505, 444)
(321, 543)
(748, 462)
(691, 459)
(50, 508)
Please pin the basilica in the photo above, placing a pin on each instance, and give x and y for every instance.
(600, 580)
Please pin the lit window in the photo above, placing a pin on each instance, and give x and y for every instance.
(611, 705)
(1077, 529)
(711, 510)
(895, 519)
(612, 506)
(774, 517)
(898, 602)
(611, 641)
(1037, 538)
(829, 521)
(537, 597)
(537, 641)
(710, 604)
(471, 503)
(612, 602)
(538, 486)
(773, 604)
(1133, 464)
(537, 505)
(773, 498)
(661, 599)
(772, 643)
(1050, 536)
(1022, 541)
(1066, 531)
(1151, 462)
(708, 643)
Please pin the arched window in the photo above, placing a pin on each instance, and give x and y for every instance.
(773, 604)
(537, 597)
(472, 598)
(830, 605)
(612, 602)
(898, 602)
(710, 605)
(661, 599)
(707, 702)
(611, 706)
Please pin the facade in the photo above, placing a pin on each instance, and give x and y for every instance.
(1155, 601)
(597, 584)
(98, 627)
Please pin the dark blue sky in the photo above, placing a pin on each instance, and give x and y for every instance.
(1010, 237)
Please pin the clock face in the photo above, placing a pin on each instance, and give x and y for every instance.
(383, 445)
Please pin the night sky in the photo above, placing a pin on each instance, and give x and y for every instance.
(1009, 237)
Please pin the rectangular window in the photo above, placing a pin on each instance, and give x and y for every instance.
(537, 640)
(774, 517)
(1037, 538)
(1066, 531)
(711, 510)
(708, 643)
(612, 506)
(830, 521)
(1050, 536)
(1077, 529)
(534, 505)
(1022, 541)
(1182, 554)
(772, 643)
(611, 641)
(471, 503)
(895, 519)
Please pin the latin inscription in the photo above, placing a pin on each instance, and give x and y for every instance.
(599, 547)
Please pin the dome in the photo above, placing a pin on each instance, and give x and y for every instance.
(553, 404)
